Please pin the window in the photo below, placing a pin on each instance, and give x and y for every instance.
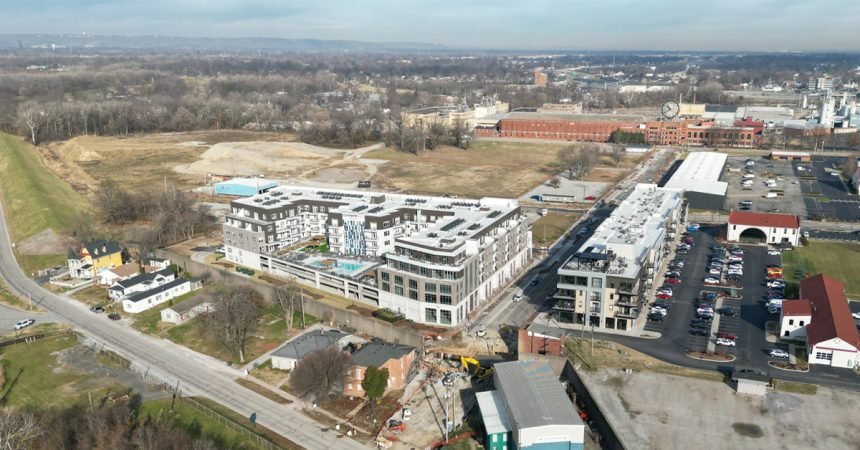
(430, 287)
(824, 356)
(398, 290)
(430, 298)
(446, 317)
(385, 276)
(413, 284)
(386, 287)
(791, 321)
(430, 315)
(801, 322)
(596, 283)
(398, 279)
(413, 294)
(445, 288)
(445, 299)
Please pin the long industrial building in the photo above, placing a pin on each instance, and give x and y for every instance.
(699, 176)
(431, 259)
(604, 283)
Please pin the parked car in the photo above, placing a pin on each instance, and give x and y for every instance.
(779, 353)
(699, 323)
(97, 309)
(727, 311)
(535, 282)
(726, 342)
(517, 298)
(729, 336)
(114, 316)
(682, 251)
(698, 332)
(856, 315)
(773, 252)
(656, 317)
(711, 280)
(704, 315)
(21, 324)
(735, 272)
(714, 271)
(663, 295)
(661, 304)
(673, 280)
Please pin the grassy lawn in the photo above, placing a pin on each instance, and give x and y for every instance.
(33, 198)
(36, 379)
(270, 333)
(617, 356)
(836, 259)
(243, 421)
(93, 295)
(34, 263)
(550, 227)
(9, 299)
(795, 387)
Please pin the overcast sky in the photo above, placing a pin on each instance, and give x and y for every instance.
(498, 24)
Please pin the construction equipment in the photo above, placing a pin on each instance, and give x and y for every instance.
(473, 366)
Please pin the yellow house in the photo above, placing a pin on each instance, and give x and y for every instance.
(92, 257)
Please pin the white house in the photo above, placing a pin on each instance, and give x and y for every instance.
(111, 276)
(831, 334)
(795, 316)
(769, 228)
(186, 310)
(286, 357)
(140, 283)
(141, 301)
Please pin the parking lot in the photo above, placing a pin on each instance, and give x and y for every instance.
(824, 194)
(788, 199)
(748, 323)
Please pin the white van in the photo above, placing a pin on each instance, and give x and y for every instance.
(770, 183)
(749, 176)
(770, 195)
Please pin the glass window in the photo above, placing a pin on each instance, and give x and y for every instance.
(430, 287)
(446, 317)
(445, 288)
(430, 298)
(445, 299)
(413, 294)
(386, 287)
(398, 290)
(413, 284)
(385, 276)
(430, 315)
(398, 279)
(596, 283)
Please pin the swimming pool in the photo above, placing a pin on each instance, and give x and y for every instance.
(338, 265)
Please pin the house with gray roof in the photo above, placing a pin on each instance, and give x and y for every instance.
(140, 283)
(288, 356)
(397, 359)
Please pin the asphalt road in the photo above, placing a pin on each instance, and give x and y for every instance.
(9, 316)
(196, 374)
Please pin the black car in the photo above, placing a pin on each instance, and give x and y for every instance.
(700, 322)
(97, 309)
(661, 304)
(726, 311)
(709, 295)
(655, 317)
(114, 316)
(704, 315)
(699, 332)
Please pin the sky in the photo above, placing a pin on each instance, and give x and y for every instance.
(745, 25)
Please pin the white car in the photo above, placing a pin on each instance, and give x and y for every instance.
(711, 280)
(806, 234)
(714, 271)
(658, 310)
(856, 315)
(736, 266)
(21, 324)
(726, 342)
(739, 273)
(481, 332)
(773, 252)
(517, 298)
(779, 353)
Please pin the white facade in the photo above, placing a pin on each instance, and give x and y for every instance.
(148, 281)
(794, 326)
(149, 299)
(549, 434)
(836, 353)
(773, 235)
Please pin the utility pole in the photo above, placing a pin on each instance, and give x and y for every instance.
(447, 417)
(302, 305)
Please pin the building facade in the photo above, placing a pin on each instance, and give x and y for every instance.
(92, 257)
(777, 229)
(562, 127)
(397, 359)
(604, 283)
(794, 316)
(434, 259)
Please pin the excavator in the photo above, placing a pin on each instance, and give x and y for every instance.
(472, 366)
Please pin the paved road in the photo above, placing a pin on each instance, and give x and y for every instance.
(9, 316)
(196, 374)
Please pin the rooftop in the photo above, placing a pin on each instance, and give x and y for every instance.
(520, 115)
(378, 353)
(493, 412)
(138, 296)
(255, 182)
(755, 219)
(191, 303)
(458, 219)
(700, 172)
(534, 394)
(796, 308)
(309, 342)
(831, 317)
(621, 243)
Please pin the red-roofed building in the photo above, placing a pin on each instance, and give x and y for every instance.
(831, 335)
(761, 227)
(795, 316)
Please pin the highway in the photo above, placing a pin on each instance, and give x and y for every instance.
(195, 374)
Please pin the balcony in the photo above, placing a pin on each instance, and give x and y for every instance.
(628, 301)
(627, 313)
(564, 305)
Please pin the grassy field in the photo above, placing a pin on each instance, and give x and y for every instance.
(487, 168)
(93, 295)
(36, 379)
(616, 356)
(149, 321)
(836, 259)
(795, 387)
(9, 299)
(550, 227)
(33, 198)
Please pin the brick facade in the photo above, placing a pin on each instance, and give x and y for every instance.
(398, 374)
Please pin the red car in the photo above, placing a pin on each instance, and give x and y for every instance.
(663, 296)
(591, 198)
(729, 336)
(673, 280)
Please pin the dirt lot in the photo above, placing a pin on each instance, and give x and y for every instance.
(710, 414)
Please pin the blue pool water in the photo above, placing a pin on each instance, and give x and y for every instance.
(342, 266)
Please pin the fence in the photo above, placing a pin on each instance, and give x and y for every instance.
(33, 337)
(257, 438)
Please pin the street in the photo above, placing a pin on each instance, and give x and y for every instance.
(196, 374)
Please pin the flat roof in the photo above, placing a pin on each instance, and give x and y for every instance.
(254, 182)
(633, 228)
(493, 412)
(534, 394)
(520, 115)
(308, 342)
(700, 172)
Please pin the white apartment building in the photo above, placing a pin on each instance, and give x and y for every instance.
(604, 283)
(431, 259)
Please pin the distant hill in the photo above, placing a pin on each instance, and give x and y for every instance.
(185, 44)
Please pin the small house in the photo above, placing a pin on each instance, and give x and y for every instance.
(398, 359)
(289, 355)
(186, 310)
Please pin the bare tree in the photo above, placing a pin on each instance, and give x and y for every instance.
(850, 165)
(319, 371)
(288, 296)
(586, 158)
(17, 429)
(32, 117)
(234, 315)
(568, 157)
(555, 182)
(618, 153)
